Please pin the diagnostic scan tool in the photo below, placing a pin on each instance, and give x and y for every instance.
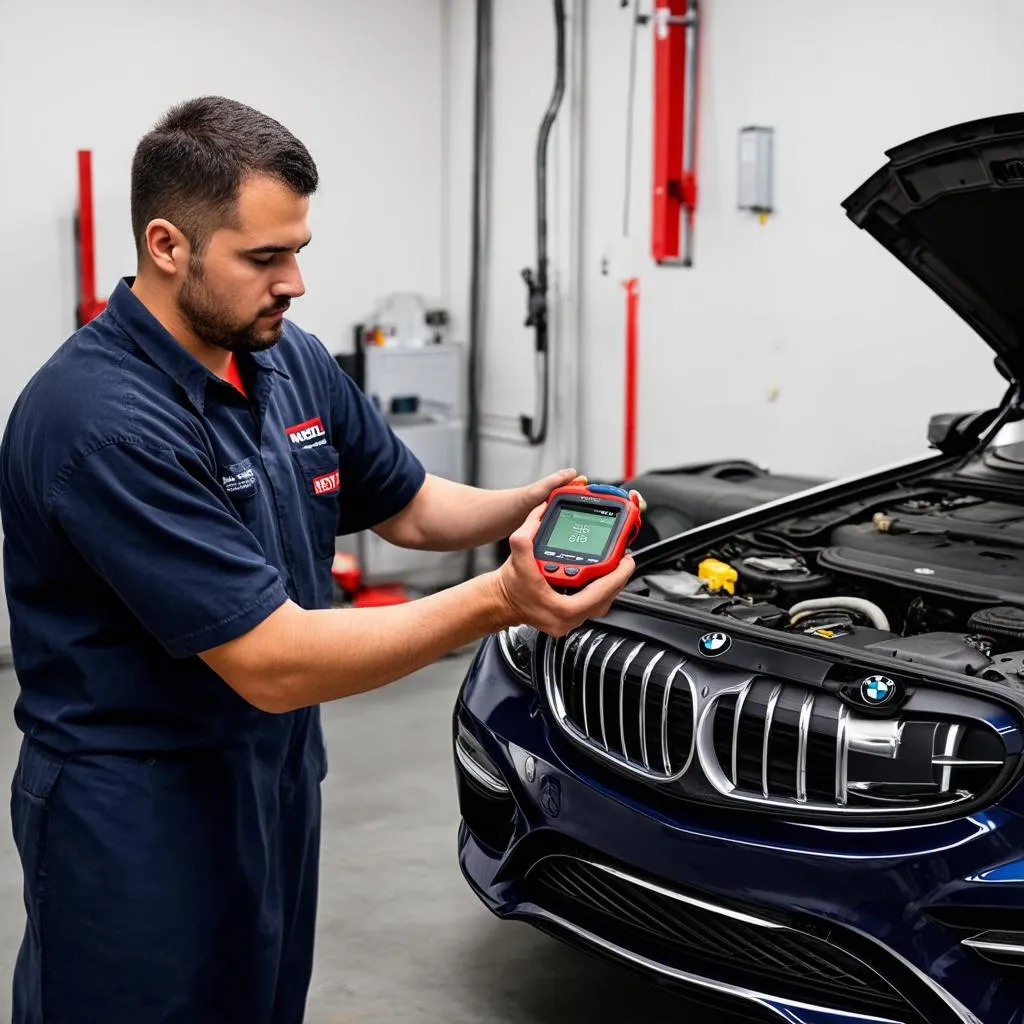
(585, 531)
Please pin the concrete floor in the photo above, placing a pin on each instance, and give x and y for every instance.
(401, 938)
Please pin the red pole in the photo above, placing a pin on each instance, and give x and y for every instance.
(89, 305)
(669, 189)
(632, 311)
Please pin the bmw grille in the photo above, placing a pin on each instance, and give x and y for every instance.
(696, 727)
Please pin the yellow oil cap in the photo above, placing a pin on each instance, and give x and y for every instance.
(718, 575)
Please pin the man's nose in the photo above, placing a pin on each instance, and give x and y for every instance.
(290, 285)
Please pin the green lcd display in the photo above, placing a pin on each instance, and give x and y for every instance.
(582, 533)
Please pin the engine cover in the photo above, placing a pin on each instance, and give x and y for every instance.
(928, 562)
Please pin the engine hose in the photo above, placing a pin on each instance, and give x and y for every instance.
(852, 604)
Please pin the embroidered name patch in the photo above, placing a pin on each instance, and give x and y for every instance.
(240, 479)
(308, 434)
(329, 483)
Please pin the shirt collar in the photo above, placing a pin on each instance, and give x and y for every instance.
(166, 352)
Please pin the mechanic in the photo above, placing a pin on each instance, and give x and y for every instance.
(172, 483)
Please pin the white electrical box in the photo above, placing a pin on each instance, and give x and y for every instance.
(755, 170)
(419, 389)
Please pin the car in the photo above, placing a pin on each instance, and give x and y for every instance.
(784, 771)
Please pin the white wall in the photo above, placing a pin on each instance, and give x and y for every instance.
(360, 83)
(859, 351)
(523, 71)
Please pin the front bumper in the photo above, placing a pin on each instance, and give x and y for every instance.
(866, 890)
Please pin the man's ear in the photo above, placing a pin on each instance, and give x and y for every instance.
(167, 247)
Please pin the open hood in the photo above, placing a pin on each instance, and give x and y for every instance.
(950, 206)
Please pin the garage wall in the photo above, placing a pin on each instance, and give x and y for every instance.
(523, 78)
(359, 82)
(800, 343)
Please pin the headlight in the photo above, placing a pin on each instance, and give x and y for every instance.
(517, 644)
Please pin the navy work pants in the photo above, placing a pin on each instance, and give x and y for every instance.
(179, 889)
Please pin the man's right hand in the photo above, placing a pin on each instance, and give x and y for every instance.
(531, 600)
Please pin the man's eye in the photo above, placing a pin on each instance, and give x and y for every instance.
(263, 261)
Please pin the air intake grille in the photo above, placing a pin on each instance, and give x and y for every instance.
(781, 742)
(723, 943)
(630, 701)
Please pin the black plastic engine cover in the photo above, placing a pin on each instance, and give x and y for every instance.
(954, 652)
(688, 496)
(989, 522)
(929, 563)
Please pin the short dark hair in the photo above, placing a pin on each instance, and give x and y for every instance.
(188, 169)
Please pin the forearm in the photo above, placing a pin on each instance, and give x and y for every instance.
(297, 658)
(449, 516)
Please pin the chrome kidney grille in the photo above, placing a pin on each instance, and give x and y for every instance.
(687, 725)
(629, 701)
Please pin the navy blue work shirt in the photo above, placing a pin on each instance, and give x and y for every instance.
(151, 512)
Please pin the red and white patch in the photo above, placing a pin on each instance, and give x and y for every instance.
(329, 483)
(307, 434)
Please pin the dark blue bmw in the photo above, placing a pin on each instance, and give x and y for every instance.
(784, 772)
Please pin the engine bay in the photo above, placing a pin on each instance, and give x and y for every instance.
(924, 576)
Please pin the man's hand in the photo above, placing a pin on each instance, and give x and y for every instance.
(537, 493)
(530, 600)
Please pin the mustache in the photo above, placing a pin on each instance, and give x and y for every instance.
(276, 308)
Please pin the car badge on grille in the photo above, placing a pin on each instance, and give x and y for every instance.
(713, 644)
(876, 690)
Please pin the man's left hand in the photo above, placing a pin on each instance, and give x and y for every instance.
(537, 493)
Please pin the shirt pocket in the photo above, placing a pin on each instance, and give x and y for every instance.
(319, 474)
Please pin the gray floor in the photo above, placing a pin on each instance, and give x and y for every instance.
(401, 938)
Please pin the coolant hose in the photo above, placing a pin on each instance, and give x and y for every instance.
(853, 604)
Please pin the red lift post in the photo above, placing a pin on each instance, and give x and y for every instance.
(89, 305)
(674, 177)
(674, 185)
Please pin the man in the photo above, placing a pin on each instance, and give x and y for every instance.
(172, 483)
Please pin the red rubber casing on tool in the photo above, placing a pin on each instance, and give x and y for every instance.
(569, 569)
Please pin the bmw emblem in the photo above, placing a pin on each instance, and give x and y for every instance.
(711, 645)
(877, 690)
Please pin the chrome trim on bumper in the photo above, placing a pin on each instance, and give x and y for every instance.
(642, 883)
(479, 773)
(1014, 948)
(783, 1008)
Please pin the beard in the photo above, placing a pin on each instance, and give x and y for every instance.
(205, 314)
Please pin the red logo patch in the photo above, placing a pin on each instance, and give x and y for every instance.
(327, 484)
(307, 433)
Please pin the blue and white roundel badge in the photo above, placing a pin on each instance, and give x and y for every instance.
(713, 644)
(877, 690)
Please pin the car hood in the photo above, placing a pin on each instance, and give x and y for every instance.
(950, 206)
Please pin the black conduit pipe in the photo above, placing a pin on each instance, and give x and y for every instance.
(537, 282)
(481, 106)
